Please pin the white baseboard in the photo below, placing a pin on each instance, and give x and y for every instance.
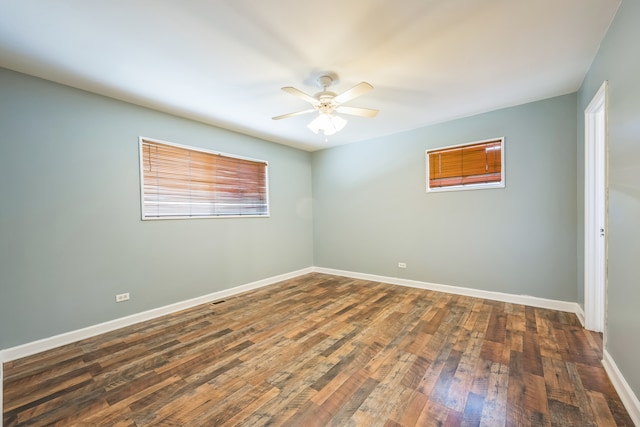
(34, 347)
(570, 307)
(628, 397)
(580, 315)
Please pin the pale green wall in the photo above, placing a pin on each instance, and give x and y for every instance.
(371, 209)
(71, 234)
(618, 61)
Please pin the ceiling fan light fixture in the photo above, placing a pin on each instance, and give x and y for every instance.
(327, 123)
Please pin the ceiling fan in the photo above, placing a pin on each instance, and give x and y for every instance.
(327, 103)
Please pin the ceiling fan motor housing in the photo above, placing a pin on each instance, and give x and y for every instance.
(326, 103)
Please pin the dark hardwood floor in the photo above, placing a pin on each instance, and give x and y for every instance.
(323, 350)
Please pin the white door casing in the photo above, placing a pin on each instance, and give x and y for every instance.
(595, 218)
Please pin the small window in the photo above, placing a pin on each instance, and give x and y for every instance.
(185, 182)
(465, 167)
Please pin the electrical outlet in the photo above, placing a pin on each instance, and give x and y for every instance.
(122, 297)
(402, 265)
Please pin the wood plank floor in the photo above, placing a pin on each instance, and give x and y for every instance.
(324, 350)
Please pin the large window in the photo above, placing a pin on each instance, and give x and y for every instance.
(468, 166)
(185, 182)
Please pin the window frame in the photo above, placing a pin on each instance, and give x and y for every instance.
(143, 139)
(472, 186)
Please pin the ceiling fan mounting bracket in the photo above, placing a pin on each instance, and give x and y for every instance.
(324, 79)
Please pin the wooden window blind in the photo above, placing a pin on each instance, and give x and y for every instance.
(473, 165)
(184, 182)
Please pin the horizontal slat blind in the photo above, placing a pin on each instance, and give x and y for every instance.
(469, 164)
(184, 182)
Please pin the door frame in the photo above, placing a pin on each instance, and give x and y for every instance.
(595, 211)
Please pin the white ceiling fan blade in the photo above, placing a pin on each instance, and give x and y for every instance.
(357, 90)
(357, 111)
(300, 94)
(297, 113)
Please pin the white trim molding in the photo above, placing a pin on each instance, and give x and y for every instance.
(628, 397)
(34, 347)
(571, 307)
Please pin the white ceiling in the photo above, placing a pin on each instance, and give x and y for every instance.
(223, 62)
